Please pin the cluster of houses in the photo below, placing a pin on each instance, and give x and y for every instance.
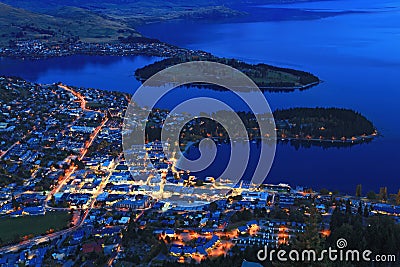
(201, 248)
(34, 257)
(34, 115)
(43, 49)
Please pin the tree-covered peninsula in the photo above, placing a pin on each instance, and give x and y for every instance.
(267, 77)
(311, 125)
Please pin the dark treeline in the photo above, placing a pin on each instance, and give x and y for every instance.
(379, 234)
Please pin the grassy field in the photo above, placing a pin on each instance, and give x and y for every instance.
(13, 228)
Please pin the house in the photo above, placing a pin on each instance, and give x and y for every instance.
(201, 251)
(92, 247)
(81, 129)
(166, 232)
(243, 229)
(39, 210)
(286, 200)
(188, 250)
(121, 178)
(6, 208)
(102, 197)
(203, 221)
(108, 231)
(175, 251)
(211, 243)
(16, 213)
(252, 223)
(78, 235)
(132, 204)
(58, 196)
(321, 208)
(252, 196)
(386, 209)
(109, 220)
(108, 250)
(58, 256)
(124, 220)
(121, 168)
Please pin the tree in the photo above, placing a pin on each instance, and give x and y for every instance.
(53, 201)
(398, 198)
(324, 191)
(359, 190)
(366, 211)
(359, 210)
(14, 202)
(382, 235)
(371, 195)
(348, 206)
(199, 182)
(383, 196)
(310, 238)
(79, 164)
(213, 207)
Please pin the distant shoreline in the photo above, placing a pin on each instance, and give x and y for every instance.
(262, 88)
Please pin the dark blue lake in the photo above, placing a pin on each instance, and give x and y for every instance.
(352, 46)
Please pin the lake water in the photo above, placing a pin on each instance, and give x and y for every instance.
(352, 47)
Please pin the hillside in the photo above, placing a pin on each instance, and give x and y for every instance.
(65, 23)
(134, 12)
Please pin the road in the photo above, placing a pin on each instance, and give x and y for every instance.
(91, 138)
(84, 149)
(67, 176)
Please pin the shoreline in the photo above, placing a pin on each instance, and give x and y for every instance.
(262, 88)
(312, 141)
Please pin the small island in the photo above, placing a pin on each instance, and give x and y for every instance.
(267, 77)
